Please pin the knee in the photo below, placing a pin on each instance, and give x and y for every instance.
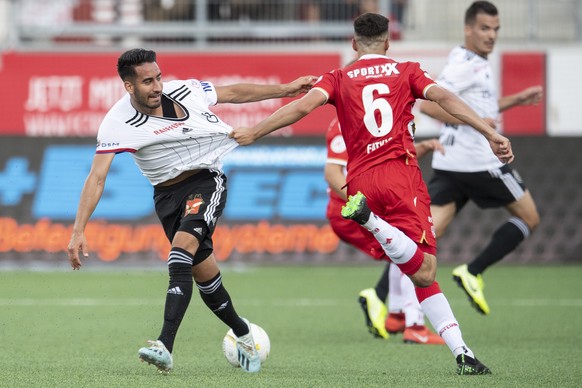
(426, 274)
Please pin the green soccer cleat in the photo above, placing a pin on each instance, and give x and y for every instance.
(248, 355)
(375, 313)
(356, 209)
(473, 287)
(157, 354)
(471, 366)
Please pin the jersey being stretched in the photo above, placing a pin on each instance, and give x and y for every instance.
(469, 76)
(374, 97)
(163, 147)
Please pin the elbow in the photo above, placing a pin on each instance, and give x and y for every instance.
(303, 110)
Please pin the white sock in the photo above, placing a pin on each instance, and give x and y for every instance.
(412, 310)
(395, 300)
(440, 315)
(398, 246)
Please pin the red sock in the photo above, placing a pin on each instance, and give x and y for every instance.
(425, 292)
(412, 265)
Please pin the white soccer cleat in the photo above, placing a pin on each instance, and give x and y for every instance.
(248, 355)
(157, 354)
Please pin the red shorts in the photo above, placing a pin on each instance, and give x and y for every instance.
(352, 233)
(396, 193)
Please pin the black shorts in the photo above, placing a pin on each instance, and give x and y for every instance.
(488, 189)
(197, 201)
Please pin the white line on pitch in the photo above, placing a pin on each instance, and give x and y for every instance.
(297, 302)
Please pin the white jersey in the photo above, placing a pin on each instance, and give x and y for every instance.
(162, 147)
(469, 76)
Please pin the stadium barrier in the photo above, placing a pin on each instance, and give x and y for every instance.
(275, 212)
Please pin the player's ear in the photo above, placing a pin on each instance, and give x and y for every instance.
(386, 44)
(128, 86)
(354, 44)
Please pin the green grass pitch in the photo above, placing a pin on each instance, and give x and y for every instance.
(83, 329)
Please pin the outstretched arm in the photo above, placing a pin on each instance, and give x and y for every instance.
(90, 196)
(529, 96)
(456, 107)
(425, 146)
(284, 116)
(433, 110)
(241, 93)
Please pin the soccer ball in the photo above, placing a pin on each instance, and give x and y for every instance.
(262, 343)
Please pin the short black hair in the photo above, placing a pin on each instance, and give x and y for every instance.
(127, 62)
(371, 25)
(479, 7)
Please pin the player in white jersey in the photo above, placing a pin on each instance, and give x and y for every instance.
(468, 170)
(177, 143)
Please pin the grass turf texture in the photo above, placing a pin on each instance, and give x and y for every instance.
(83, 329)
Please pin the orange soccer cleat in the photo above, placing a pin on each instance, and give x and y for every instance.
(395, 323)
(421, 335)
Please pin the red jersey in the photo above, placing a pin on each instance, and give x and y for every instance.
(374, 97)
(344, 229)
(336, 152)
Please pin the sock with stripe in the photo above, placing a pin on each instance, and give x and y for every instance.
(218, 300)
(178, 295)
(505, 239)
(437, 309)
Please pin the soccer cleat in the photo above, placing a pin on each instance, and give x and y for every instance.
(473, 287)
(374, 311)
(157, 354)
(248, 355)
(420, 334)
(471, 366)
(395, 323)
(356, 209)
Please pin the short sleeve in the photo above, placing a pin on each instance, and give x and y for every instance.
(205, 89)
(336, 146)
(420, 80)
(456, 77)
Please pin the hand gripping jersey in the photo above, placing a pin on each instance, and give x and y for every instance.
(469, 76)
(162, 147)
(374, 97)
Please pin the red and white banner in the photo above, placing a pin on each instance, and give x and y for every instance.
(521, 70)
(67, 94)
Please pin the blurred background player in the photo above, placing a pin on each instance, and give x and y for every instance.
(373, 99)
(468, 170)
(405, 312)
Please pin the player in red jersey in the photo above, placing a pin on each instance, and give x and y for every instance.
(406, 315)
(373, 98)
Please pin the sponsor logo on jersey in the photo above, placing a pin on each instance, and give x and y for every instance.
(377, 144)
(337, 144)
(166, 129)
(104, 145)
(193, 204)
(212, 118)
(384, 70)
(206, 86)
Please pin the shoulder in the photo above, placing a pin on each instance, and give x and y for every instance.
(460, 56)
(193, 84)
(460, 63)
(122, 110)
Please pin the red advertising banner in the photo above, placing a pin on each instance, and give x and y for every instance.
(67, 94)
(520, 71)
